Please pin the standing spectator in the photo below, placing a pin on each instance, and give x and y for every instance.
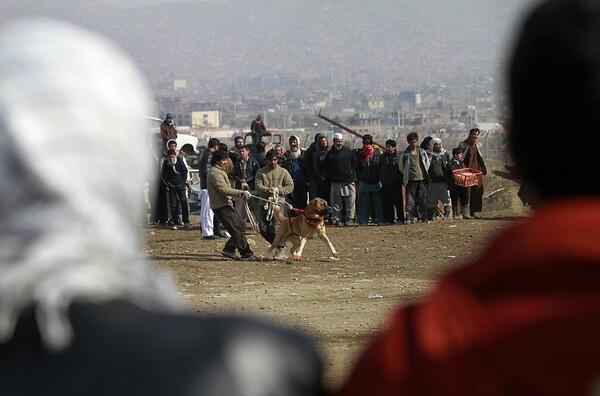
(414, 166)
(244, 172)
(272, 180)
(280, 153)
(367, 171)
(174, 174)
(206, 214)
(458, 193)
(320, 169)
(181, 156)
(340, 164)
(437, 188)
(259, 155)
(474, 160)
(391, 180)
(258, 130)
(221, 193)
(309, 173)
(293, 163)
(238, 143)
(167, 129)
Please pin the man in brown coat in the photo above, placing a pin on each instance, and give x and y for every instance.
(220, 193)
(167, 129)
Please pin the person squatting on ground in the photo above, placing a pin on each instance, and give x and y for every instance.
(458, 194)
(272, 180)
(391, 181)
(414, 166)
(221, 203)
(206, 214)
(340, 163)
(474, 160)
(367, 172)
(293, 163)
(522, 318)
(174, 175)
(81, 310)
(437, 188)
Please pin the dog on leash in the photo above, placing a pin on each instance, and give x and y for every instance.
(298, 229)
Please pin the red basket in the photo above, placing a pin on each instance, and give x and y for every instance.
(467, 177)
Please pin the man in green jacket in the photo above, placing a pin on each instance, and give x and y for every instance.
(272, 180)
(220, 195)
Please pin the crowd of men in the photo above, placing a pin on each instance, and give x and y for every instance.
(369, 185)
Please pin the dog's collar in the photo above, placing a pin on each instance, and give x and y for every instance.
(314, 222)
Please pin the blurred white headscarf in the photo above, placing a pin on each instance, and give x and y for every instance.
(71, 196)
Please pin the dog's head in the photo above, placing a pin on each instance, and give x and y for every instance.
(317, 207)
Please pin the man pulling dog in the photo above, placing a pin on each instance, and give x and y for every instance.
(220, 195)
(272, 180)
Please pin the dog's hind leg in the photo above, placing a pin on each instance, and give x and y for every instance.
(334, 254)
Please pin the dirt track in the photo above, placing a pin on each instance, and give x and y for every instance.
(340, 303)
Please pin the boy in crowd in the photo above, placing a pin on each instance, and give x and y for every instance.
(414, 166)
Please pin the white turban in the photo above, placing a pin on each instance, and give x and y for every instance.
(71, 110)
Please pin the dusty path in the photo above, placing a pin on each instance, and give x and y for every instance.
(340, 303)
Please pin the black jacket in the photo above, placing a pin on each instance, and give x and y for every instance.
(252, 167)
(174, 177)
(340, 165)
(307, 162)
(205, 159)
(120, 349)
(368, 171)
(389, 169)
(438, 167)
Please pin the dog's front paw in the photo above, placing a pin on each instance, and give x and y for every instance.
(336, 255)
(297, 258)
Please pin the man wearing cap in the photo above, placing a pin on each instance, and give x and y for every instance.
(272, 180)
(293, 163)
(167, 129)
(258, 130)
(340, 163)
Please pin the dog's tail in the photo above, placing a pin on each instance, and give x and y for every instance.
(278, 215)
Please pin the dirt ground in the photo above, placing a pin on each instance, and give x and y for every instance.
(340, 303)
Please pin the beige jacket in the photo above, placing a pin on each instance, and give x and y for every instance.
(269, 177)
(220, 192)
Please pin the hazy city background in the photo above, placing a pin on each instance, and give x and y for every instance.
(383, 66)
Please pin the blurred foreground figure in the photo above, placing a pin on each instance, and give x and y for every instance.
(80, 311)
(524, 317)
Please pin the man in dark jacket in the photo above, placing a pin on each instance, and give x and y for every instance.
(319, 168)
(293, 163)
(174, 176)
(258, 130)
(309, 173)
(474, 160)
(244, 172)
(391, 180)
(367, 171)
(167, 129)
(437, 187)
(340, 163)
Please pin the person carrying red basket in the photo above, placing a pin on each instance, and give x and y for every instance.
(458, 193)
(474, 160)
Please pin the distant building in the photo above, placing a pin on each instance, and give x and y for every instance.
(409, 100)
(206, 119)
(179, 84)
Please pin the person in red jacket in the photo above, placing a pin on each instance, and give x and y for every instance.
(524, 317)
